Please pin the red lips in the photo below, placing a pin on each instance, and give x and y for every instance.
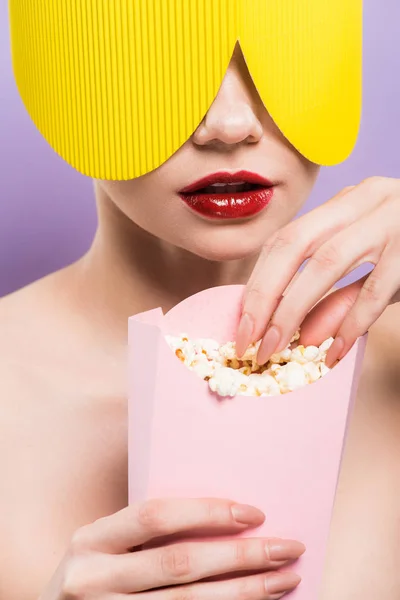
(229, 196)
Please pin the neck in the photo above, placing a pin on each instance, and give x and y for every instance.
(127, 270)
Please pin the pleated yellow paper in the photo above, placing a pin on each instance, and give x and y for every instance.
(117, 86)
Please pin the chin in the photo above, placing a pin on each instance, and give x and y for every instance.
(225, 248)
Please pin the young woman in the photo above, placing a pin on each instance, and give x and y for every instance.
(65, 530)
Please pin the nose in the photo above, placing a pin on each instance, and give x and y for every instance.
(232, 118)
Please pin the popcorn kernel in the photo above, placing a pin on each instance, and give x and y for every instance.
(228, 375)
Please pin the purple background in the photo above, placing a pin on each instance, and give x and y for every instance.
(47, 210)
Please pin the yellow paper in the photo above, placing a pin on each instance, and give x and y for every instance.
(116, 87)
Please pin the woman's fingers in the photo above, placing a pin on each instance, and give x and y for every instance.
(325, 318)
(379, 289)
(284, 253)
(141, 523)
(350, 311)
(362, 242)
(256, 587)
(304, 238)
(188, 562)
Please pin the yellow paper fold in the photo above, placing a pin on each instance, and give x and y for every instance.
(116, 87)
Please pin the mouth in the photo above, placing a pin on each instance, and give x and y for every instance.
(229, 195)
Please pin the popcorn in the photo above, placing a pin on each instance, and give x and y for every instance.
(282, 357)
(304, 355)
(228, 350)
(295, 337)
(227, 383)
(203, 368)
(323, 369)
(297, 355)
(291, 377)
(228, 375)
(208, 347)
(275, 368)
(263, 384)
(311, 353)
(312, 372)
(324, 347)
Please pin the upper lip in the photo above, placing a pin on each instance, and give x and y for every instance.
(226, 177)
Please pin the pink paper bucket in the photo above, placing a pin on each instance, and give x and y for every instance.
(280, 453)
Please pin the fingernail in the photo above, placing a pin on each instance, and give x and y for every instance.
(247, 515)
(268, 344)
(284, 549)
(244, 334)
(276, 583)
(334, 352)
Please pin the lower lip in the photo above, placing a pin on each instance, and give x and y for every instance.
(238, 205)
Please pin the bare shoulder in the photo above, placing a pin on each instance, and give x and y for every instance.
(24, 428)
(43, 334)
(28, 326)
(57, 408)
(23, 316)
(33, 303)
(48, 348)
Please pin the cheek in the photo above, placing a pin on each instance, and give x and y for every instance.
(126, 196)
(119, 192)
(141, 204)
(302, 181)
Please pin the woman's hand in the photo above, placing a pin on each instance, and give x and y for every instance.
(359, 225)
(106, 561)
